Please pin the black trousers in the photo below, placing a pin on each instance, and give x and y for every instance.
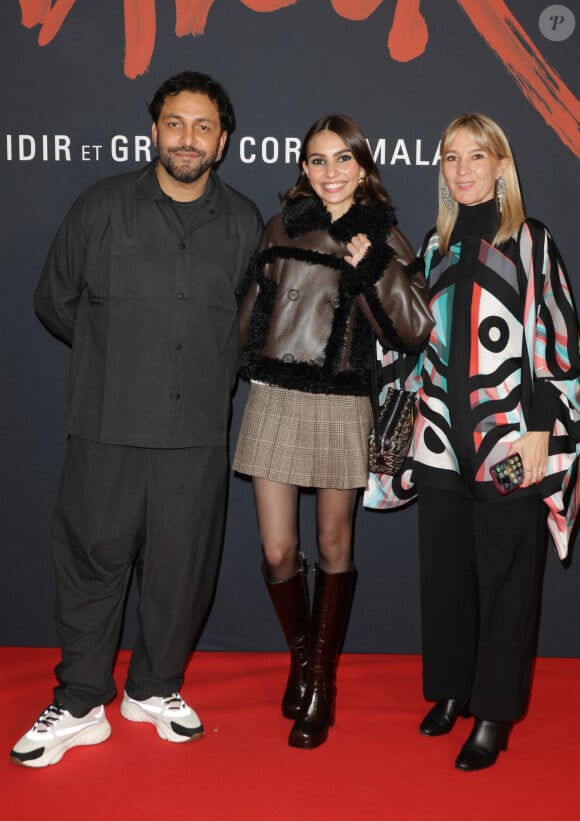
(162, 511)
(481, 578)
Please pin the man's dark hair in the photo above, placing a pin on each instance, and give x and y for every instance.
(196, 83)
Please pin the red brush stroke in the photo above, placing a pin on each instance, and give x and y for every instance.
(34, 12)
(540, 84)
(269, 5)
(191, 16)
(51, 19)
(538, 81)
(355, 9)
(408, 36)
(140, 26)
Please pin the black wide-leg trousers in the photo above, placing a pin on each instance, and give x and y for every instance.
(161, 510)
(481, 567)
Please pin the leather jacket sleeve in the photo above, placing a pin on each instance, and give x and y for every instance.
(250, 287)
(396, 304)
(247, 296)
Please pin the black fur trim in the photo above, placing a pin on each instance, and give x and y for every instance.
(369, 270)
(302, 376)
(363, 339)
(310, 214)
(251, 274)
(271, 254)
(304, 215)
(261, 314)
(384, 320)
(337, 338)
(386, 323)
(374, 220)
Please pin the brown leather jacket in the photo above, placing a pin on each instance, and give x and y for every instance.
(306, 314)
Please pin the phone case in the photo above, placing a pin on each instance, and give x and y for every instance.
(508, 474)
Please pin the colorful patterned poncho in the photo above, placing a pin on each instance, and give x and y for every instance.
(521, 330)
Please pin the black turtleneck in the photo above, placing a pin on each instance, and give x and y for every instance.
(476, 221)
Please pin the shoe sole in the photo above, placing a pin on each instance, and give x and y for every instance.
(132, 712)
(91, 735)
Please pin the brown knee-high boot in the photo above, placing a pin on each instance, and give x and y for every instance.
(333, 595)
(292, 605)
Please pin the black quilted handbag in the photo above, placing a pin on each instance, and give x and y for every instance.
(392, 431)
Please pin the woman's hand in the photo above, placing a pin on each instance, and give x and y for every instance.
(357, 248)
(533, 448)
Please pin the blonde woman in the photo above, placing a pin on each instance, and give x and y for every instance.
(499, 376)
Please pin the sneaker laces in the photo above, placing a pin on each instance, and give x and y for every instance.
(174, 701)
(49, 716)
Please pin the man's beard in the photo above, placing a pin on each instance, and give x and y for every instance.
(185, 172)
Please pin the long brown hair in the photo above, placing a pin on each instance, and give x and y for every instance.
(490, 137)
(371, 189)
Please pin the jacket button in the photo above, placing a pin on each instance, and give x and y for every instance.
(175, 396)
(287, 357)
(335, 301)
(293, 294)
(179, 295)
(183, 246)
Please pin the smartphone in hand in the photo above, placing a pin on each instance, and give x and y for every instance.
(508, 474)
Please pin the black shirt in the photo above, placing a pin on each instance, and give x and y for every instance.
(149, 308)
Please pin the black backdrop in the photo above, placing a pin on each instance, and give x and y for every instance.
(76, 77)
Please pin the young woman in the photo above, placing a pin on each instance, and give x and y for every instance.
(331, 273)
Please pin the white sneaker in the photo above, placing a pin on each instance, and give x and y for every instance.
(173, 718)
(55, 732)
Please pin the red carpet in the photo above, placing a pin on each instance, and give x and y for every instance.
(374, 766)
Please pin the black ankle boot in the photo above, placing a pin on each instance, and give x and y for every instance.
(441, 718)
(484, 744)
(292, 605)
(333, 594)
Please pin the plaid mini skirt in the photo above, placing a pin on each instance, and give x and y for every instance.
(305, 439)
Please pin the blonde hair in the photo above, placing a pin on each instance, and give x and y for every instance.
(491, 138)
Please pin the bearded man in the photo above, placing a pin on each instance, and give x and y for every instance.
(140, 281)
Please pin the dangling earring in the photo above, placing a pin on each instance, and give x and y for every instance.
(500, 193)
(445, 195)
